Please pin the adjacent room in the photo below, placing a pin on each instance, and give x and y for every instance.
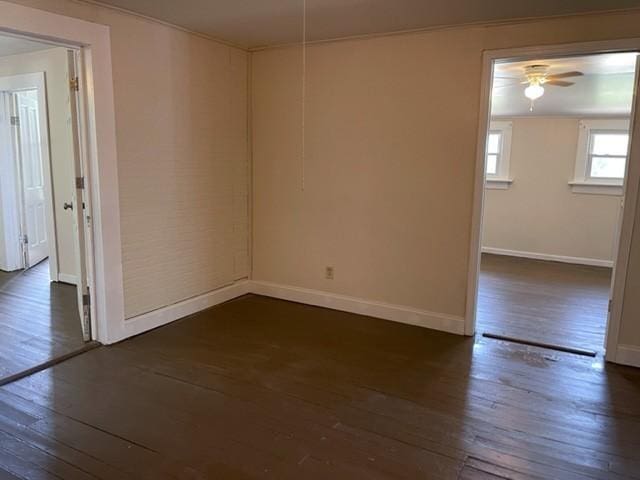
(557, 151)
(312, 239)
(39, 312)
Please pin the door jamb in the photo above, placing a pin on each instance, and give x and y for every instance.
(631, 187)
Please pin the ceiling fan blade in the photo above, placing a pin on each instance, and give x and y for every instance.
(564, 75)
(559, 83)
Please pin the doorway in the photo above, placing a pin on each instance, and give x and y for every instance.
(549, 215)
(43, 282)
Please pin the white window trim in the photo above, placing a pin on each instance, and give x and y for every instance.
(501, 179)
(581, 182)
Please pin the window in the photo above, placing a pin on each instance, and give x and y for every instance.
(497, 156)
(494, 146)
(608, 154)
(602, 157)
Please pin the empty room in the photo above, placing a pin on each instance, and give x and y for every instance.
(556, 156)
(299, 239)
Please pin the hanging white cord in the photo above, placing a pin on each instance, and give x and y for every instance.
(304, 85)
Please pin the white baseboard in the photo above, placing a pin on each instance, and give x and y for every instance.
(162, 316)
(386, 311)
(67, 278)
(398, 313)
(596, 262)
(628, 355)
(625, 354)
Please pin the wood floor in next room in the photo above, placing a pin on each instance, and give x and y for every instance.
(39, 320)
(548, 302)
(262, 388)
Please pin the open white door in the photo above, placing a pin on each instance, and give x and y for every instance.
(11, 256)
(30, 161)
(27, 190)
(79, 203)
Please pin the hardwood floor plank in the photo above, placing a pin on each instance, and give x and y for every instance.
(541, 301)
(261, 388)
(38, 319)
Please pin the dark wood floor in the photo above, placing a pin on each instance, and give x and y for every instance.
(547, 302)
(38, 319)
(262, 388)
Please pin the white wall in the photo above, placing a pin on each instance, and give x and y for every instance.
(391, 141)
(391, 137)
(54, 63)
(181, 128)
(539, 213)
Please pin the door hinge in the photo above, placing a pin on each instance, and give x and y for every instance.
(15, 121)
(80, 183)
(609, 307)
(86, 316)
(74, 84)
(24, 246)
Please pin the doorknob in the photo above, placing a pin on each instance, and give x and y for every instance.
(68, 206)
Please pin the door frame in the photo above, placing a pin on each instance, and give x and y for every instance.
(631, 187)
(98, 138)
(36, 81)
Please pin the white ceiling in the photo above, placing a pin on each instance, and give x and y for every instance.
(605, 89)
(16, 46)
(255, 23)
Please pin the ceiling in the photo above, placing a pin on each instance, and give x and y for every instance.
(256, 23)
(605, 89)
(15, 46)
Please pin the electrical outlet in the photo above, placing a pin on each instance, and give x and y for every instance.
(328, 274)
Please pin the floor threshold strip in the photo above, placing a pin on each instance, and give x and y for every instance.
(550, 346)
(50, 363)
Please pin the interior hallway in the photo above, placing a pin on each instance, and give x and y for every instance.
(262, 388)
(38, 319)
(548, 302)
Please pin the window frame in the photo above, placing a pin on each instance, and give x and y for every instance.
(582, 181)
(591, 155)
(501, 179)
(498, 154)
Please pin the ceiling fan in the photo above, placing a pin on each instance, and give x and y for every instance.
(537, 76)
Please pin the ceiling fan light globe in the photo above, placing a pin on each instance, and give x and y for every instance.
(533, 92)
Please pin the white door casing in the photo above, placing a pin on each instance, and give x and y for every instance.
(631, 187)
(99, 134)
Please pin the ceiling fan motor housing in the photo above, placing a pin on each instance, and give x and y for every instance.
(536, 74)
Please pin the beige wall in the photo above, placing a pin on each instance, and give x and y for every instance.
(55, 65)
(539, 213)
(391, 132)
(391, 139)
(181, 131)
